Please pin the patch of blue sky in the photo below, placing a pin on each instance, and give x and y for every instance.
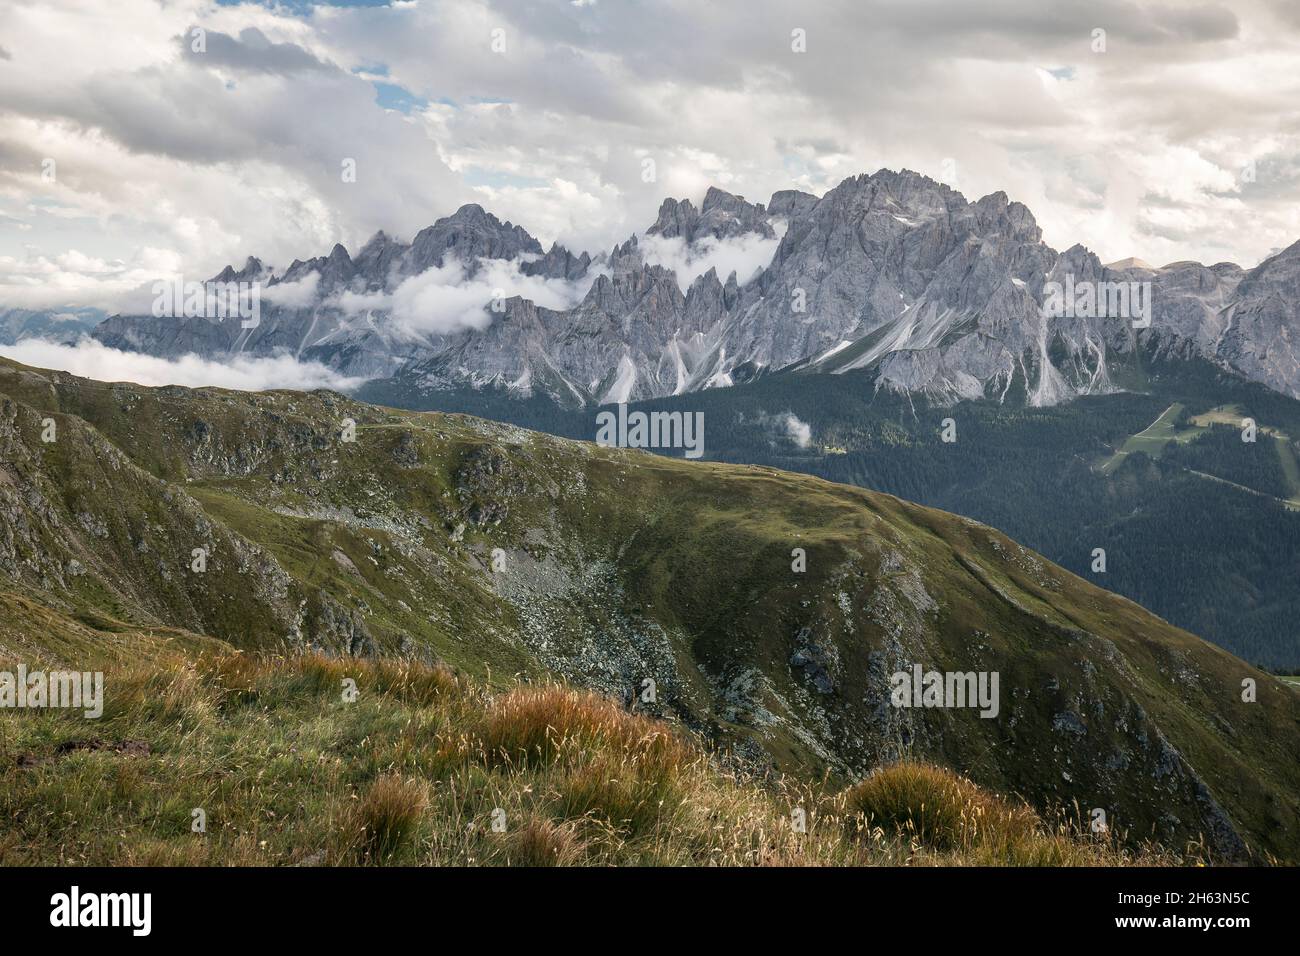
(498, 179)
(393, 97)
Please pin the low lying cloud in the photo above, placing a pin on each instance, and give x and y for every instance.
(446, 299)
(799, 432)
(293, 295)
(93, 359)
(743, 255)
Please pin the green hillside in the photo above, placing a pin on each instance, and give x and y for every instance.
(508, 555)
(1121, 472)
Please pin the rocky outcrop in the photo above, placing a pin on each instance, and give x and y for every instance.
(720, 216)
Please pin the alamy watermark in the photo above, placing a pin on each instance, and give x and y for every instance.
(71, 690)
(946, 689)
(1099, 300)
(626, 429)
(75, 908)
(209, 300)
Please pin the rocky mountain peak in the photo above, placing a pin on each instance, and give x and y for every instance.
(252, 270)
(791, 203)
(469, 234)
(379, 240)
(626, 257)
(722, 215)
(471, 212)
(558, 263)
(996, 213)
(1278, 277)
(677, 217)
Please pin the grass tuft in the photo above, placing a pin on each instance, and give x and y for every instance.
(935, 807)
(532, 726)
(543, 842)
(389, 815)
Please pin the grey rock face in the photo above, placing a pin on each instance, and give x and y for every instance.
(721, 216)
(892, 273)
(1257, 327)
(790, 203)
(338, 630)
(471, 234)
(558, 263)
(817, 661)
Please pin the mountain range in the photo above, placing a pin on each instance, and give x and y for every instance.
(892, 272)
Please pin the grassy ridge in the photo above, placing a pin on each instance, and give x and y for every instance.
(618, 567)
(425, 767)
(1032, 473)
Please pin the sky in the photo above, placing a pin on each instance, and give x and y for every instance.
(141, 138)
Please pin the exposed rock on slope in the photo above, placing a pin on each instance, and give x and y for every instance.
(499, 549)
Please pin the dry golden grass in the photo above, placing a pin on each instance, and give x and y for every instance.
(543, 842)
(936, 807)
(945, 816)
(531, 726)
(417, 767)
(388, 815)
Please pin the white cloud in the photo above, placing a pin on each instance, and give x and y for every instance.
(444, 300)
(293, 295)
(34, 281)
(799, 432)
(359, 303)
(92, 359)
(745, 255)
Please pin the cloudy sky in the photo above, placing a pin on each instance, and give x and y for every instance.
(133, 146)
